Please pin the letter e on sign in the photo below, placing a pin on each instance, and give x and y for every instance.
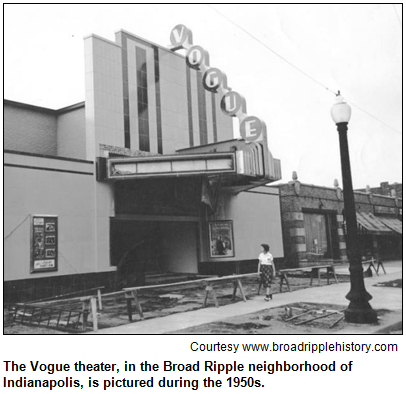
(251, 129)
(181, 36)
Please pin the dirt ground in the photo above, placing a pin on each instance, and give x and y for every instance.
(297, 318)
(163, 302)
(391, 283)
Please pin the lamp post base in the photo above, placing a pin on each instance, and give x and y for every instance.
(360, 314)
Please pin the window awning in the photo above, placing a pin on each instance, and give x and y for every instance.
(369, 223)
(393, 223)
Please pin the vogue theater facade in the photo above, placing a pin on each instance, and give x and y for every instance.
(149, 159)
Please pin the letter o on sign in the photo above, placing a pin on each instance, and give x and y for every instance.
(195, 57)
(231, 103)
(251, 128)
(212, 79)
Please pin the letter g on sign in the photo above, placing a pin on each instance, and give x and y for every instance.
(212, 79)
(252, 128)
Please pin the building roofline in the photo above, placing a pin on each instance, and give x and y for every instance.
(333, 189)
(167, 49)
(43, 109)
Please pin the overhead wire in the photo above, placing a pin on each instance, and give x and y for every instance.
(397, 15)
(300, 70)
(273, 51)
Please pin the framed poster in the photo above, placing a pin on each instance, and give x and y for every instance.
(221, 239)
(44, 243)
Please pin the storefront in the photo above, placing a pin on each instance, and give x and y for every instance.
(149, 162)
(314, 227)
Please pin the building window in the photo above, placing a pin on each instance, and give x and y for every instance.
(142, 99)
(321, 235)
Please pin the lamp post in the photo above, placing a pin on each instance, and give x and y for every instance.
(359, 310)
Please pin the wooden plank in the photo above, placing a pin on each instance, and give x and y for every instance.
(234, 291)
(99, 299)
(137, 304)
(287, 270)
(316, 318)
(197, 281)
(284, 277)
(129, 309)
(241, 290)
(337, 321)
(50, 300)
(380, 264)
(210, 290)
(93, 309)
(295, 317)
(232, 277)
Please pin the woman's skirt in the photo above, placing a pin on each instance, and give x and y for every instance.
(266, 275)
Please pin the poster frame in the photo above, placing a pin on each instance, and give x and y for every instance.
(225, 227)
(47, 225)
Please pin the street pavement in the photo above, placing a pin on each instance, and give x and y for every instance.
(383, 298)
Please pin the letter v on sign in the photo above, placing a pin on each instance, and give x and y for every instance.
(181, 37)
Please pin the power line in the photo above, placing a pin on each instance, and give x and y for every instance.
(373, 117)
(298, 69)
(397, 15)
(275, 53)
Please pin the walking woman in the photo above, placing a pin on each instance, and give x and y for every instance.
(267, 269)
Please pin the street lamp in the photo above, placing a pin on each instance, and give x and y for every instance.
(359, 310)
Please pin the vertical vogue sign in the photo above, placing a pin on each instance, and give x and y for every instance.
(214, 80)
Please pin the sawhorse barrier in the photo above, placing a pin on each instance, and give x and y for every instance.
(89, 305)
(132, 293)
(314, 271)
(372, 263)
(235, 279)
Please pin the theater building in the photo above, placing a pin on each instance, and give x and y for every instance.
(150, 158)
(314, 229)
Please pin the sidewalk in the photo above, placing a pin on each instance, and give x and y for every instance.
(383, 298)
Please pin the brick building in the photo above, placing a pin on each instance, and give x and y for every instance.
(386, 189)
(314, 229)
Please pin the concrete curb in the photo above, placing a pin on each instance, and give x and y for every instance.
(398, 326)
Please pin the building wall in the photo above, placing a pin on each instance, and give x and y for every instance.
(29, 129)
(103, 95)
(256, 220)
(47, 186)
(71, 134)
(144, 97)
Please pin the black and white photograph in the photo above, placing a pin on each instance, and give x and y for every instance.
(214, 172)
(221, 239)
(50, 227)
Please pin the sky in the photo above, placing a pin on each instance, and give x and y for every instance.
(286, 60)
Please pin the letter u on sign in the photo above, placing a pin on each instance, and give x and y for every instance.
(232, 102)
